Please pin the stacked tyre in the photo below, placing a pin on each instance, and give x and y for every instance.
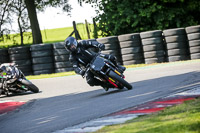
(61, 58)
(4, 56)
(111, 47)
(21, 56)
(193, 34)
(131, 49)
(153, 46)
(176, 43)
(42, 59)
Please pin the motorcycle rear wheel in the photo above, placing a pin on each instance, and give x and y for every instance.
(121, 80)
(30, 86)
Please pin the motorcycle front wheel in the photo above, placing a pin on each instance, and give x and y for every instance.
(30, 86)
(121, 80)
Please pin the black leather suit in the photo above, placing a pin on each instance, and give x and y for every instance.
(82, 57)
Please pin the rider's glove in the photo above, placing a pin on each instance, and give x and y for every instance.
(101, 46)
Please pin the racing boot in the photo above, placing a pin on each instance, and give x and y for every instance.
(106, 88)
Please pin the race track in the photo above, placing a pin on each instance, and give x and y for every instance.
(68, 101)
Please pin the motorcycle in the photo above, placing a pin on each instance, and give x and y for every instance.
(12, 80)
(104, 70)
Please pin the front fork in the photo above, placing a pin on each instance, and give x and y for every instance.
(21, 85)
(4, 88)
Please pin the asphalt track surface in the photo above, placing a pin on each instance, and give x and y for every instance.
(68, 101)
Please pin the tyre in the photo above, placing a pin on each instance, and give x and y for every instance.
(173, 32)
(194, 36)
(128, 44)
(177, 38)
(150, 41)
(129, 37)
(131, 62)
(177, 45)
(155, 60)
(58, 52)
(111, 46)
(47, 71)
(121, 80)
(195, 56)
(194, 43)
(4, 56)
(30, 86)
(47, 66)
(129, 57)
(18, 50)
(59, 45)
(131, 50)
(63, 70)
(192, 29)
(22, 62)
(39, 47)
(62, 65)
(108, 39)
(42, 60)
(153, 47)
(195, 49)
(178, 58)
(154, 54)
(36, 54)
(61, 58)
(151, 34)
(173, 52)
(23, 56)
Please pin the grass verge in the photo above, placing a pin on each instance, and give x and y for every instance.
(48, 36)
(183, 118)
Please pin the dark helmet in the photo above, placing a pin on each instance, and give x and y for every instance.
(71, 44)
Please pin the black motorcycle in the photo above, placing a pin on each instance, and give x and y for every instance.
(12, 81)
(104, 70)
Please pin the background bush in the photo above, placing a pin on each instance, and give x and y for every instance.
(116, 17)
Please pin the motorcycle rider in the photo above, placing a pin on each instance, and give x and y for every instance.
(81, 56)
(7, 68)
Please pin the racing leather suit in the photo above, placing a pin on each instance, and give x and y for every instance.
(83, 56)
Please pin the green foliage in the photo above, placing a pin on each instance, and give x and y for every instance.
(117, 17)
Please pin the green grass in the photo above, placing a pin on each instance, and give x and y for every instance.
(48, 36)
(184, 118)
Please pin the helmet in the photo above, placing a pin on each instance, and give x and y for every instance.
(71, 44)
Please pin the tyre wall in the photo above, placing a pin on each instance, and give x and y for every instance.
(61, 58)
(153, 46)
(135, 48)
(111, 47)
(177, 44)
(4, 56)
(131, 49)
(193, 34)
(42, 59)
(21, 56)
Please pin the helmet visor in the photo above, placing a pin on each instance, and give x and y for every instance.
(73, 45)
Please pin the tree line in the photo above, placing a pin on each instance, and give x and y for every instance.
(26, 13)
(117, 17)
